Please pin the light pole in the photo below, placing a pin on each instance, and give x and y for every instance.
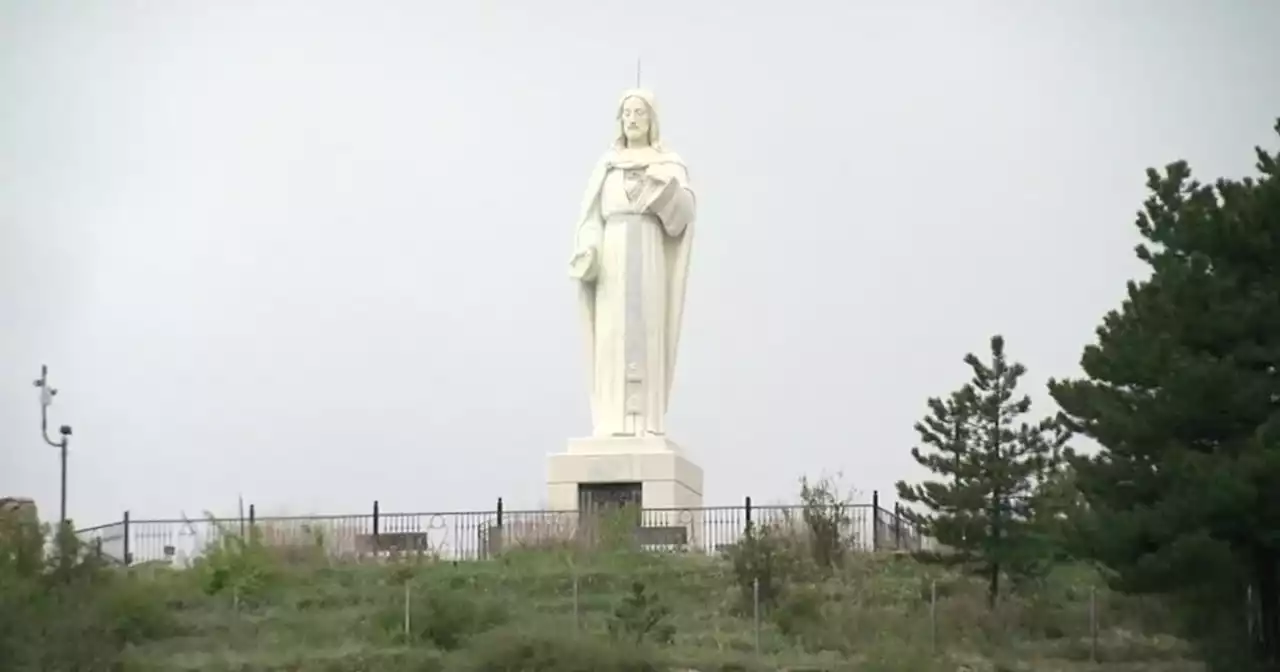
(46, 398)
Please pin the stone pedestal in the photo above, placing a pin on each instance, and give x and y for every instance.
(649, 471)
(666, 478)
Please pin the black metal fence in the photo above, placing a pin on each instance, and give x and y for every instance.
(476, 535)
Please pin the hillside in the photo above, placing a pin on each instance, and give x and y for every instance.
(247, 608)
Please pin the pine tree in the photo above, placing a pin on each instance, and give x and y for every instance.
(991, 462)
(1182, 392)
(952, 499)
(1061, 512)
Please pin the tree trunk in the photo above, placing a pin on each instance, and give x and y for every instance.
(995, 550)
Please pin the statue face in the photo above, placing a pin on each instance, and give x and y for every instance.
(635, 121)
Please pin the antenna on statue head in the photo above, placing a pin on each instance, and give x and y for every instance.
(637, 72)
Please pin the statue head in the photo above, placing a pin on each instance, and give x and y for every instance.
(638, 121)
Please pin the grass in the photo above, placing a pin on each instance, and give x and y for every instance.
(872, 613)
(275, 603)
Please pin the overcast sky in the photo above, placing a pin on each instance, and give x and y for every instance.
(314, 253)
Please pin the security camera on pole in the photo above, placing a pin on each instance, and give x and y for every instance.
(47, 394)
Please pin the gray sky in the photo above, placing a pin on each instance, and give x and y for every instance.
(315, 252)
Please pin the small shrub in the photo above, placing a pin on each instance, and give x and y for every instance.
(798, 611)
(766, 558)
(642, 616)
(444, 617)
(134, 610)
(237, 566)
(827, 518)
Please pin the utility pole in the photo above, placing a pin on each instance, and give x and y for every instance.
(47, 394)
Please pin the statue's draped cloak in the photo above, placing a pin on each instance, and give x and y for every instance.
(673, 220)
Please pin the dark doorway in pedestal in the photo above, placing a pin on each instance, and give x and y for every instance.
(602, 499)
(606, 508)
(614, 512)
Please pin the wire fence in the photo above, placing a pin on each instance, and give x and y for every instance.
(477, 535)
(709, 612)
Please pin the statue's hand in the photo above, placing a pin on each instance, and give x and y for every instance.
(585, 264)
(660, 194)
(656, 182)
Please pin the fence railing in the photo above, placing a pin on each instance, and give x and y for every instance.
(477, 535)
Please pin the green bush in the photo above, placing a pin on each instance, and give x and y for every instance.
(641, 616)
(774, 555)
(765, 560)
(797, 613)
(238, 566)
(444, 616)
(69, 610)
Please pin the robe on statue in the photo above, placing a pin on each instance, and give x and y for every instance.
(637, 219)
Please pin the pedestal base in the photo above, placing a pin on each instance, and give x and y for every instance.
(667, 479)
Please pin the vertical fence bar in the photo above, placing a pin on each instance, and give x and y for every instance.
(253, 516)
(496, 539)
(377, 525)
(747, 508)
(875, 520)
(128, 548)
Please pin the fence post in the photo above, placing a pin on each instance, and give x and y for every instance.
(408, 623)
(755, 611)
(499, 512)
(377, 524)
(577, 619)
(747, 506)
(875, 520)
(253, 516)
(128, 551)
(897, 526)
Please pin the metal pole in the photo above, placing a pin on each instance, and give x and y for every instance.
(577, 623)
(46, 398)
(127, 542)
(755, 611)
(408, 624)
(875, 520)
(62, 503)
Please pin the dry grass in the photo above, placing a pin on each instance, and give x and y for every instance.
(541, 533)
(873, 613)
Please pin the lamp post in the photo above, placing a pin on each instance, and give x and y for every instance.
(46, 398)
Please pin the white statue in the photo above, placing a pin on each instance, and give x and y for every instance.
(631, 262)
